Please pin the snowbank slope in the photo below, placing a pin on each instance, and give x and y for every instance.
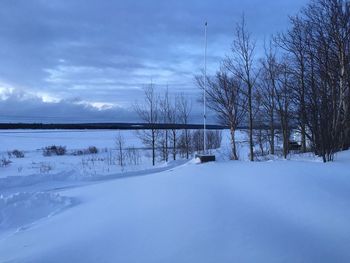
(281, 211)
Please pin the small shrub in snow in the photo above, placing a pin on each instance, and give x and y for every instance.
(16, 154)
(90, 150)
(89, 166)
(54, 150)
(5, 162)
(93, 150)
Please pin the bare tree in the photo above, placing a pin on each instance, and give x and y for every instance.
(261, 132)
(326, 25)
(149, 113)
(133, 155)
(120, 142)
(241, 64)
(214, 138)
(197, 140)
(184, 108)
(225, 98)
(284, 105)
(165, 118)
(173, 119)
(293, 41)
(268, 79)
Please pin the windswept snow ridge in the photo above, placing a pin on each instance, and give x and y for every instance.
(21, 209)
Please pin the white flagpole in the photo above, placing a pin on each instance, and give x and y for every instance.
(204, 93)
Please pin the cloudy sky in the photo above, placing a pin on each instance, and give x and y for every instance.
(88, 60)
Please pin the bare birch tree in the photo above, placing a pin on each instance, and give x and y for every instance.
(241, 64)
(185, 107)
(225, 98)
(164, 106)
(149, 113)
(267, 90)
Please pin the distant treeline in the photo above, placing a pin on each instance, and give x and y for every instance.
(119, 126)
(106, 126)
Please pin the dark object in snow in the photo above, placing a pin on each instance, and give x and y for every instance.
(205, 158)
(90, 150)
(54, 150)
(5, 162)
(16, 153)
(93, 150)
(294, 146)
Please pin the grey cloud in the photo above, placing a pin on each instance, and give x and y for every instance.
(21, 108)
(107, 50)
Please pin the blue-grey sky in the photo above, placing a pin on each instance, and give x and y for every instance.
(88, 60)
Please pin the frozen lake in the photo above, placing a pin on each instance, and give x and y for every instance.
(28, 140)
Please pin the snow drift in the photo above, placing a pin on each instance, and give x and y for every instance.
(21, 209)
(277, 211)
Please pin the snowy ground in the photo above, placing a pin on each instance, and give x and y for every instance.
(31, 144)
(28, 140)
(274, 211)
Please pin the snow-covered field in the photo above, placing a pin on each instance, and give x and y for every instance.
(32, 142)
(293, 210)
(29, 140)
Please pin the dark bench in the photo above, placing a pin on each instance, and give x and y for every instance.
(205, 158)
(294, 146)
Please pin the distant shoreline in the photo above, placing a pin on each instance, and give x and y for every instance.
(105, 126)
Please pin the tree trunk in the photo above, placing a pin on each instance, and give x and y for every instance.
(187, 145)
(174, 145)
(272, 134)
(250, 109)
(166, 146)
(153, 147)
(233, 144)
